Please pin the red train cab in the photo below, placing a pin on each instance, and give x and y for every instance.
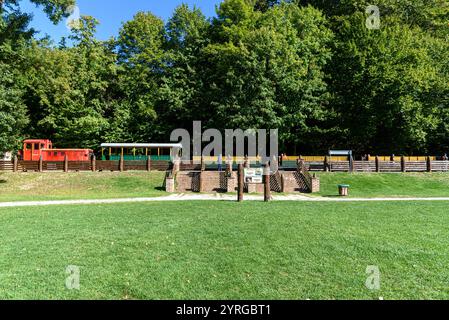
(34, 149)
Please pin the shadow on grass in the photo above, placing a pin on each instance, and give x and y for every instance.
(3, 181)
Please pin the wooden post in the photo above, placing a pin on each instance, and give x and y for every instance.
(203, 164)
(267, 186)
(66, 164)
(122, 165)
(326, 164)
(94, 163)
(240, 183)
(15, 164)
(148, 163)
(403, 169)
(351, 163)
(201, 174)
(377, 164)
(429, 165)
(41, 164)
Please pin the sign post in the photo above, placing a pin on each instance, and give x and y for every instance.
(267, 186)
(240, 183)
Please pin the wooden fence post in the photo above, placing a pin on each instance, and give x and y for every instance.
(94, 163)
(203, 164)
(377, 164)
(15, 164)
(66, 163)
(149, 163)
(122, 165)
(351, 163)
(429, 164)
(403, 168)
(267, 186)
(201, 174)
(240, 183)
(326, 164)
(41, 164)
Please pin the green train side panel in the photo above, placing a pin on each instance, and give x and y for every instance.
(137, 158)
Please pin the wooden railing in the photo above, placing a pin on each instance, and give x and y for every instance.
(305, 174)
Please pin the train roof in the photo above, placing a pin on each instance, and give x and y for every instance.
(142, 145)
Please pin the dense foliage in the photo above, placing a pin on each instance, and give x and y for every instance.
(311, 68)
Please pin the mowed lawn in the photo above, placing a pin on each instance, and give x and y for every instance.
(101, 185)
(81, 185)
(226, 250)
(370, 185)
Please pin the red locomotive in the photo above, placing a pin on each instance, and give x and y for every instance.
(34, 149)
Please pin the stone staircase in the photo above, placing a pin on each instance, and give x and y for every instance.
(214, 181)
(188, 181)
(293, 182)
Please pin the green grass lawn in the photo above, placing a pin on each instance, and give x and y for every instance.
(226, 250)
(386, 184)
(101, 185)
(82, 185)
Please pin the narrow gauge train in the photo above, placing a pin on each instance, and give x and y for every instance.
(33, 149)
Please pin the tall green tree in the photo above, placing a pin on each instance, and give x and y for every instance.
(140, 49)
(70, 91)
(267, 69)
(388, 84)
(182, 98)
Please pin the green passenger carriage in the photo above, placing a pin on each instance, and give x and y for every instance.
(140, 151)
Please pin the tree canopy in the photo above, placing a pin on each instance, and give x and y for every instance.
(314, 69)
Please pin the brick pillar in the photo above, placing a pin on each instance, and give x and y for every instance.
(94, 163)
(15, 164)
(66, 164)
(315, 184)
(170, 184)
(41, 164)
(377, 164)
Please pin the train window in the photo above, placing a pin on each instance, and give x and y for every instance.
(55, 154)
(28, 146)
(36, 146)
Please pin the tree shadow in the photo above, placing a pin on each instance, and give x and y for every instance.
(3, 181)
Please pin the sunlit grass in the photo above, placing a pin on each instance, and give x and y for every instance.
(226, 250)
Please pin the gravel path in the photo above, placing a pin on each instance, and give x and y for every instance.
(208, 197)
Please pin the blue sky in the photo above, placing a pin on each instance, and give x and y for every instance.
(111, 14)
